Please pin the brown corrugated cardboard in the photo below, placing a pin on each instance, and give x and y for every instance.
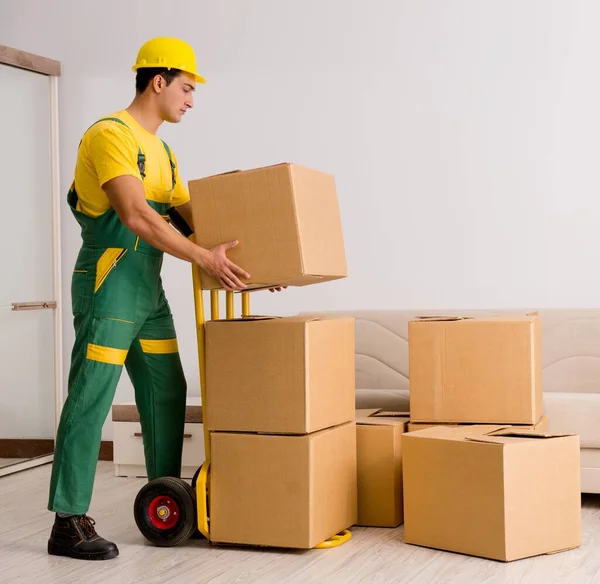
(291, 375)
(497, 493)
(541, 426)
(368, 415)
(285, 217)
(379, 459)
(476, 370)
(283, 491)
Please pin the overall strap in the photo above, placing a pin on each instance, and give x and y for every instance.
(173, 180)
(141, 160)
(72, 196)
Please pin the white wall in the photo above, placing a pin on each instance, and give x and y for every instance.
(463, 134)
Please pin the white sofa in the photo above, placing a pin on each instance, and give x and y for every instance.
(571, 373)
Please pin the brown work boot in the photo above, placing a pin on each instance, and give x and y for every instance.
(75, 537)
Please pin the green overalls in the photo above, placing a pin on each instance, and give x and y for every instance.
(121, 317)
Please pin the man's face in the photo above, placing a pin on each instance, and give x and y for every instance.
(177, 97)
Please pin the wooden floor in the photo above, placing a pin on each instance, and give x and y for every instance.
(371, 556)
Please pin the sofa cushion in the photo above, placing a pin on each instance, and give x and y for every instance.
(570, 347)
(590, 458)
(395, 400)
(577, 413)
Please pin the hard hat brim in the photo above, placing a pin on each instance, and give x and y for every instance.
(197, 76)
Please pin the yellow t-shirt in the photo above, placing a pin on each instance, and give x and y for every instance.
(109, 150)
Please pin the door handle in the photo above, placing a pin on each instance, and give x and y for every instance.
(44, 305)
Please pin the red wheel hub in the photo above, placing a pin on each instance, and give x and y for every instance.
(163, 512)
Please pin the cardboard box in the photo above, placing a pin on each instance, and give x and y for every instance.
(497, 493)
(476, 370)
(292, 375)
(283, 491)
(541, 426)
(285, 217)
(379, 460)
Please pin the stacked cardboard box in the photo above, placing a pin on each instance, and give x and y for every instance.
(279, 390)
(476, 370)
(481, 473)
(494, 492)
(474, 471)
(379, 465)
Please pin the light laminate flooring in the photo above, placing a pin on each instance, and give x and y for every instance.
(372, 556)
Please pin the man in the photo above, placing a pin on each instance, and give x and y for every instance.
(126, 185)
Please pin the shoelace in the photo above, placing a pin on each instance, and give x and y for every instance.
(87, 524)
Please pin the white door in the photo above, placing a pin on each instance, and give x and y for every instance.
(28, 315)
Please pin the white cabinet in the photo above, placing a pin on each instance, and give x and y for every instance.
(128, 447)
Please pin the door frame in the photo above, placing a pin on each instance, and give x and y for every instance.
(52, 69)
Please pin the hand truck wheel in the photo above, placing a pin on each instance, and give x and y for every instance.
(165, 511)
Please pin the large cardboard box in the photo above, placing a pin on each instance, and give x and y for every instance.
(496, 493)
(290, 375)
(283, 491)
(477, 370)
(285, 217)
(379, 459)
(541, 426)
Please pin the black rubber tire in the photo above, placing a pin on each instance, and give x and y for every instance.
(185, 498)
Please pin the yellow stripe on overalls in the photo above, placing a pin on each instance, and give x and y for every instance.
(107, 261)
(106, 354)
(159, 346)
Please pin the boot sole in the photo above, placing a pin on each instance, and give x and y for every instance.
(55, 550)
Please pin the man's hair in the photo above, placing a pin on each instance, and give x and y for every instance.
(145, 75)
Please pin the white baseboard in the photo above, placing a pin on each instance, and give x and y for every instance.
(26, 464)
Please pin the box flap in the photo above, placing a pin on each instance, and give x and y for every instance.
(296, 318)
(378, 417)
(237, 170)
(381, 421)
(389, 414)
(306, 318)
(366, 413)
(529, 433)
(439, 318)
(512, 436)
(314, 316)
(244, 319)
(457, 433)
(527, 317)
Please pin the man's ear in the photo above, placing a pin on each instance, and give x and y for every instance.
(158, 83)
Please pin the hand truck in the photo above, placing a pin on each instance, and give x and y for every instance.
(167, 510)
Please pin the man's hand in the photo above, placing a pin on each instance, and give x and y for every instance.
(278, 289)
(217, 264)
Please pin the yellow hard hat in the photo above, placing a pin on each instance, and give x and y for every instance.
(168, 52)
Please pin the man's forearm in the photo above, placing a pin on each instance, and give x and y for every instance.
(154, 230)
